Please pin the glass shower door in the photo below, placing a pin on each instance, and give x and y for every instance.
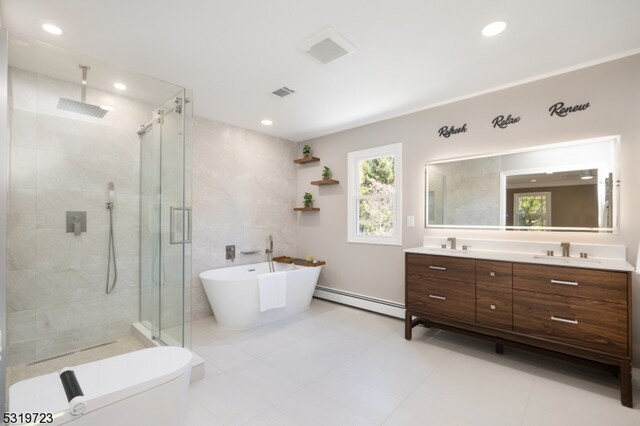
(165, 221)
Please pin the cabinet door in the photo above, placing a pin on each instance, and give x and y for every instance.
(442, 298)
(494, 306)
(591, 324)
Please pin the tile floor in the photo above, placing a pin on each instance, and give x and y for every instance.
(336, 365)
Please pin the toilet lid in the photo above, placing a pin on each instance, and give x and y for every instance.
(103, 382)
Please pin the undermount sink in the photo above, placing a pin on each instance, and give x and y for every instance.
(567, 260)
(447, 250)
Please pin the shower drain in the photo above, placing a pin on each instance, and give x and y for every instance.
(40, 361)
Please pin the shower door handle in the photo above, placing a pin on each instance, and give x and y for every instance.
(172, 225)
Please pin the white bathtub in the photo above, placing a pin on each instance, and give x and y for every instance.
(234, 297)
(145, 387)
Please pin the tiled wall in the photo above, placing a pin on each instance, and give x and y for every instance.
(244, 189)
(63, 162)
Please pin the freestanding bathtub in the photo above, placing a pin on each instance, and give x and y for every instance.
(148, 387)
(234, 296)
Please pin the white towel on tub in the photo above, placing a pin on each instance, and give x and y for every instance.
(273, 290)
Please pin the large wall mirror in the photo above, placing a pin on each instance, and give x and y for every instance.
(571, 186)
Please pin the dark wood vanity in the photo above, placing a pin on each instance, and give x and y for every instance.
(579, 314)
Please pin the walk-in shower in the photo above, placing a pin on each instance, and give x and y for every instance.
(131, 184)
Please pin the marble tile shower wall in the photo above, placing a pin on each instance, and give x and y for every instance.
(244, 189)
(63, 162)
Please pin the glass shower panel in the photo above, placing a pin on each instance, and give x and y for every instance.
(151, 268)
(165, 221)
(175, 222)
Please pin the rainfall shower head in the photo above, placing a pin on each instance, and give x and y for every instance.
(82, 107)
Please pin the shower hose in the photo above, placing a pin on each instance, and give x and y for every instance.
(112, 254)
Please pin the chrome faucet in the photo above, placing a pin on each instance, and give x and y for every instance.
(269, 252)
(452, 240)
(565, 249)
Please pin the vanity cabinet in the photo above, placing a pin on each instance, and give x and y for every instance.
(576, 313)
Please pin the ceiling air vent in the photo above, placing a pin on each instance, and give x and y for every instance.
(283, 91)
(327, 46)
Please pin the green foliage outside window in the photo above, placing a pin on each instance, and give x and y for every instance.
(375, 206)
(532, 211)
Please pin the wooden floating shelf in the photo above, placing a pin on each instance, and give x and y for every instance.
(325, 182)
(306, 209)
(305, 160)
(301, 262)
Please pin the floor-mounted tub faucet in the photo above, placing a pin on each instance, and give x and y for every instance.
(269, 252)
(452, 240)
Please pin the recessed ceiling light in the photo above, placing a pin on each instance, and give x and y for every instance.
(107, 108)
(586, 174)
(120, 86)
(52, 29)
(549, 173)
(266, 122)
(494, 28)
(533, 180)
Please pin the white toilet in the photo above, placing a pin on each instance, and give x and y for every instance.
(145, 387)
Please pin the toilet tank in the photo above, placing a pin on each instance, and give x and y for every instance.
(145, 387)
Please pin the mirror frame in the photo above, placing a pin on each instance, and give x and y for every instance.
(615, 166)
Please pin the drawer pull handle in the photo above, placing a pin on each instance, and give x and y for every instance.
(438, 268)
(568, 321)
(564, 282)
(433, 296)
(492, 274)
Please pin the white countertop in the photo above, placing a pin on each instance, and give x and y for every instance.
(529, 252)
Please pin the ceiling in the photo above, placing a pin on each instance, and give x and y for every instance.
(410, 54)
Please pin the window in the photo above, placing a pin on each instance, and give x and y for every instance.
(532, 209)
(374, 195)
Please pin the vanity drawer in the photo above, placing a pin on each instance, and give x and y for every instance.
(575, 282)
(494, 306)
(450, 268)
(442, 298)
(587, 323)
(494, 273)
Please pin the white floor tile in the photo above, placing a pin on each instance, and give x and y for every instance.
(359, 398)
(268, 383)
(310, 408)
(486, 385)
(228, 400)
(272, 417)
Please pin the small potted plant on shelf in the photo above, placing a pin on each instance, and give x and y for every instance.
(326, 173)
(308, 199)
(306, 151)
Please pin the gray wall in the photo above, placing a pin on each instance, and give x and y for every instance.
(244, 189)
(613, 90)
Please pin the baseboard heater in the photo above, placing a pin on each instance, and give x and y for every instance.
(373, 304)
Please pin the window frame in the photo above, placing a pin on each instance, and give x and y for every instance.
(353, 159)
